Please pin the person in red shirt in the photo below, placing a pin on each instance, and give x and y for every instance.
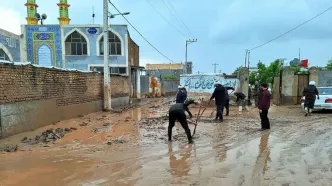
(264, 106)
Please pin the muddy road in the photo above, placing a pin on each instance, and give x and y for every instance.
(131, 148)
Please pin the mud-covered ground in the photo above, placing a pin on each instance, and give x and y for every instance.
(131, 148)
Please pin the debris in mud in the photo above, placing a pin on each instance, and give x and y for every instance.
(83, 124)
(155, 106)
(9, 148)
(49, 135)
(116, 141)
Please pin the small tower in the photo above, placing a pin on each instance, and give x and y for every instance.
(63, 12)
(31, 12)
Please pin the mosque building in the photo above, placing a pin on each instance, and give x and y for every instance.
(75, 46)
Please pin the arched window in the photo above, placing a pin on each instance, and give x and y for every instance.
(76, 45)
(114, 44)
(3, 55)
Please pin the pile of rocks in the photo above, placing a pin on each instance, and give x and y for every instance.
(9, 148)
(48, 136)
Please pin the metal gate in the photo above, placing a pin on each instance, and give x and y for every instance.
(303, 82)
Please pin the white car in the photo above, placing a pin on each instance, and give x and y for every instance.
(325, 99)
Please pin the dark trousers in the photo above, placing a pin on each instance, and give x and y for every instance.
(181, 117)
(226, 106)
(219, 111)
(265, 122)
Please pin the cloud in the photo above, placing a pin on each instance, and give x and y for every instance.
(12, 24)
(245, 21)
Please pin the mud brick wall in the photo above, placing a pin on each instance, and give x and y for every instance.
(33, 97)
(25, 83)
(120, 86)
(133, 53)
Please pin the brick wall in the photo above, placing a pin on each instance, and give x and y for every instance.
(120, 86)
(26, 83)
(133, 53)
(32, 97)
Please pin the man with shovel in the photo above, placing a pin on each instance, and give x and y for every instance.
(177, 113)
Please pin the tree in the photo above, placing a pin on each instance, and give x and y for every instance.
(264, 73)
(237, 70)
(329, 64)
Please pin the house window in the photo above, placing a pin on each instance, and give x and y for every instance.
(113, 70)
(76, 45)
(3, 55)
(114, 46)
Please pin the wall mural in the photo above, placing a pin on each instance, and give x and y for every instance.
(205, 83)
(45, 38)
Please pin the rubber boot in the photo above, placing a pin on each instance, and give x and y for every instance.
(310, 111)
(169, 135)
(227, 112)
(189, 136)
(306, 111)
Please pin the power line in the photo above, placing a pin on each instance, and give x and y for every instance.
(305, 22)
(215, 67)
(176, 15)
(161, 15)
(139, 32)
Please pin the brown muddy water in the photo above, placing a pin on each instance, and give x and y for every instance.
(131, 148)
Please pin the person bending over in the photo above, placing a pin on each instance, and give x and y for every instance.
(177, 113)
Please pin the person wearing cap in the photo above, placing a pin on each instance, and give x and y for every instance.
(264, 106)
(177, 113)
(180, 96)
(219, 94)
(310, 93)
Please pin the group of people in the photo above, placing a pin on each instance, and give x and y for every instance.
(221, 97)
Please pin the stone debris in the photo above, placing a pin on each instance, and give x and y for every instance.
(9, 148)
(116, 141)
(48, 136)
(83, 124)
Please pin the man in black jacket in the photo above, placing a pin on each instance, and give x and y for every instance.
(177, 113)
(219, 95)
(310, 93)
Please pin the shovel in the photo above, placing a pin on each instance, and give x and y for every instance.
(199, 115)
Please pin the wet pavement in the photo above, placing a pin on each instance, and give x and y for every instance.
(131, 148)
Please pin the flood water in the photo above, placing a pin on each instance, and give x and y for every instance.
(131, 148)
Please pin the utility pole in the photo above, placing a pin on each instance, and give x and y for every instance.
(107, 78)
(300, 54)
(245, 58)
(215, 67)
(187, 43)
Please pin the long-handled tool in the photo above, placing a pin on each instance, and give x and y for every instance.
(199, 116)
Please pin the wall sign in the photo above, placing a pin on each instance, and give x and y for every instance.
(92, 30)
(43, 36)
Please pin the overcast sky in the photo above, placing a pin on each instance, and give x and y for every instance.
(224, 28)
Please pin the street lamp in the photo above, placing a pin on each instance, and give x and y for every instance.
(113, 15)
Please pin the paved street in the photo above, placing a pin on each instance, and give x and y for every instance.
(131, 148)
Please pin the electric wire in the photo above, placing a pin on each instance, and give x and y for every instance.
(139, 32)
(176, 15)
(161, 15)
(305, 22)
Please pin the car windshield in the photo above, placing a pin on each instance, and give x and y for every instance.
(325, 91)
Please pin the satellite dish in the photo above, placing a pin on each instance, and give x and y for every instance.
(44, 16)
(37, 16)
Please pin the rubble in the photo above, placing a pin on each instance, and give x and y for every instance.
(9, 148)
(48, 136)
